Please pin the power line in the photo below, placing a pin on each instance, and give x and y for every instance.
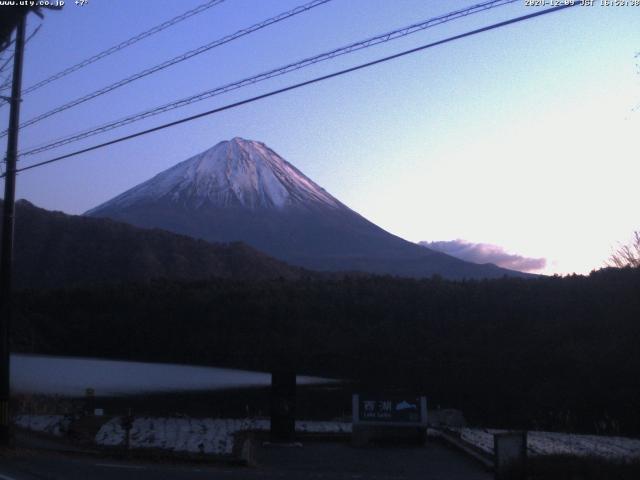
(180, 58)
(124, 44)
(299, 85)
(7, 83)
(378, 39)
(7, 79)
(4, 65)
(8, 44)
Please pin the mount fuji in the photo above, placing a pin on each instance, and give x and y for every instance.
(241, 190)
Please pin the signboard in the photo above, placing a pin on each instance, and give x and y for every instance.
(389, 410)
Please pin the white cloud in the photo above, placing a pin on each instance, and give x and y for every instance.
(487, 253)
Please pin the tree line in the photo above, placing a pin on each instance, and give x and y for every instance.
(548, 353)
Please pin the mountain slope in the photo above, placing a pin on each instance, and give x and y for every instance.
(242, 190)
(53, 249)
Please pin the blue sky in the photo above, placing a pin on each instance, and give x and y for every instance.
(523, 137)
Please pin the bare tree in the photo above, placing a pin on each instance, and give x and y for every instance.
(627, 255)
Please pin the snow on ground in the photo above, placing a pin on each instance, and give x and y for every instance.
(41, 374)
(53, 424)
(196, 435)
(552, 443)
(216, 436)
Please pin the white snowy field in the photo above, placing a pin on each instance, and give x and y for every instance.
(70, 376)
(552, 443)
(216, 436)
(197, 435)
(52, 424)
(191, 435)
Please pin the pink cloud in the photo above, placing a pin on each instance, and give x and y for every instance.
(487, 253)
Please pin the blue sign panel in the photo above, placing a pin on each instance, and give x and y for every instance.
(397, 410)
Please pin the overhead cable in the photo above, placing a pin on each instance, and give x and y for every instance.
(168, 63)
(382, 38)
(122, 45)
(299, 85)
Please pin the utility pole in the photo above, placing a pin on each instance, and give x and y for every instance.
(6, 253)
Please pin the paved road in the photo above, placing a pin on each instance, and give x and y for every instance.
(340, 461)
(326, 461)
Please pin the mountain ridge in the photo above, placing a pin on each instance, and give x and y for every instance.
(53, 249)
(241, 190)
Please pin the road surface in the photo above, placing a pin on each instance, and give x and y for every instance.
(326, 461)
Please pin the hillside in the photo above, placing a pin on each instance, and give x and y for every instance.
(53, 249)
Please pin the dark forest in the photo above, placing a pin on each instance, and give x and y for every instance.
(555, 353)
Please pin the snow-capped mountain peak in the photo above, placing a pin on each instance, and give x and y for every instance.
(237, 172)
(241, 190)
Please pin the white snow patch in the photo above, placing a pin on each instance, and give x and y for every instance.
(52, 424)
(554, 443)
(197, 435)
